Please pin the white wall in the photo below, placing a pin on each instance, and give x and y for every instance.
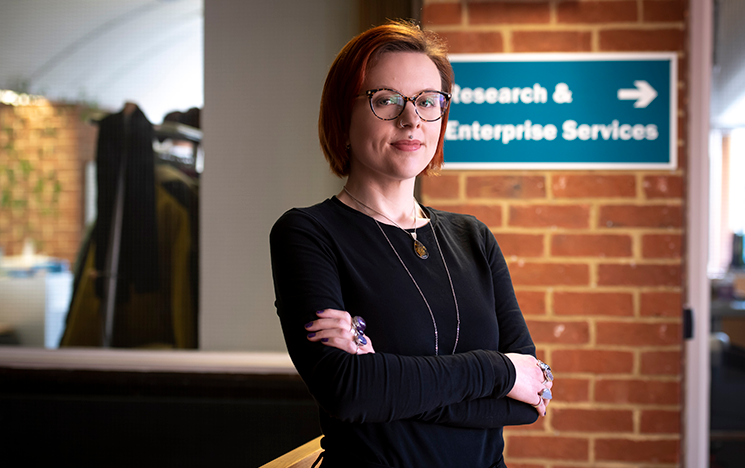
(265, 64)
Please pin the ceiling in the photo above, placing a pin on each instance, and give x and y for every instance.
(105, 52)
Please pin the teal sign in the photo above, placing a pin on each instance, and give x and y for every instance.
(563, 111)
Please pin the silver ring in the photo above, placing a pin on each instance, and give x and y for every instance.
(547, 375)
(540, 400)
(546, 394)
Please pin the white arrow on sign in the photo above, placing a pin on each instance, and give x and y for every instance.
(643, 94)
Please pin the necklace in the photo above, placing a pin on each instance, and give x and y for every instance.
(421, 293)
(419, 248)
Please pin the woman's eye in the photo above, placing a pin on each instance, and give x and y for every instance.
(388, 101)
(427, 101)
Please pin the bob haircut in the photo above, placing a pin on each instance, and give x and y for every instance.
(348, 71)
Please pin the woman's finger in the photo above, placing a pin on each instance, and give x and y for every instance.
(327, 334)
(366, 348)
(330, 318)
(540, 407)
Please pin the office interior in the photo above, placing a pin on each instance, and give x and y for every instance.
(206, 379)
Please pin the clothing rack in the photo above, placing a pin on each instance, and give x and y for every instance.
(167, 132)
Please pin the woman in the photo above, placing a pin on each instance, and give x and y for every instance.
(453, 361)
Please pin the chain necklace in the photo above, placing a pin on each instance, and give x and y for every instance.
(419, 248)
(447, 271)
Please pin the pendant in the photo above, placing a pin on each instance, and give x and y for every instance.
(420, 250)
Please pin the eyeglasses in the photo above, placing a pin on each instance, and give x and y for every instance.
(388, 104)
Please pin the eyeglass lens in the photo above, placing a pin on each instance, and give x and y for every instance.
(388, 105)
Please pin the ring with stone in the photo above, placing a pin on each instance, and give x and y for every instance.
(358, 331)
(546, 394)
(547, 375)
(359, 324)
(359, 339)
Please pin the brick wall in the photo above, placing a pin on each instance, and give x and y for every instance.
(43, 149)
(595, 256)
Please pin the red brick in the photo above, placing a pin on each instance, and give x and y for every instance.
(489, 215)
(662, 246)
(639, 40)
(661, 304)
(639, 334)
(559, 332)
(499, 186)
(521, 245)
(651, 392)
(572, 390)
(564, 216)
(532, 302)
(592, 360)
(578, 466)
(553, 448)
(522, 465)
(508, 12)
(592, 420)
(663, 10)
(639, 275)
(638, 451)
(473, 42)
(662, 363)
(660, 422)
(682, 103)
(593, 303)
(551, 41)
(593, 186)
(549, 274)
(650, 216)
(596, 12)
(590, 245)
(442, 13)
(663, 186)
(441, 186)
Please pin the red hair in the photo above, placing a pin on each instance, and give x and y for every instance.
(344, 82)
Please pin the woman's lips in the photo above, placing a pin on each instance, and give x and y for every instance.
(407, 145)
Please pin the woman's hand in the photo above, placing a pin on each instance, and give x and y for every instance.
(530, 382)
(334, 328)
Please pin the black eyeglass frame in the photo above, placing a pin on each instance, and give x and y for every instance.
(371, 92)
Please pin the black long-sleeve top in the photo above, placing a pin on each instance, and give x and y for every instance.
(403, 406)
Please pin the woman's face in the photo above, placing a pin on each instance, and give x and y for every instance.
(396, 149)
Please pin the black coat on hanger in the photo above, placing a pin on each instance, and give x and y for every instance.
(125, 142)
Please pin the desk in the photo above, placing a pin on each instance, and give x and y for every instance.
(36, 307)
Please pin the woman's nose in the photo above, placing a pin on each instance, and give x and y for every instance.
(409, 117)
